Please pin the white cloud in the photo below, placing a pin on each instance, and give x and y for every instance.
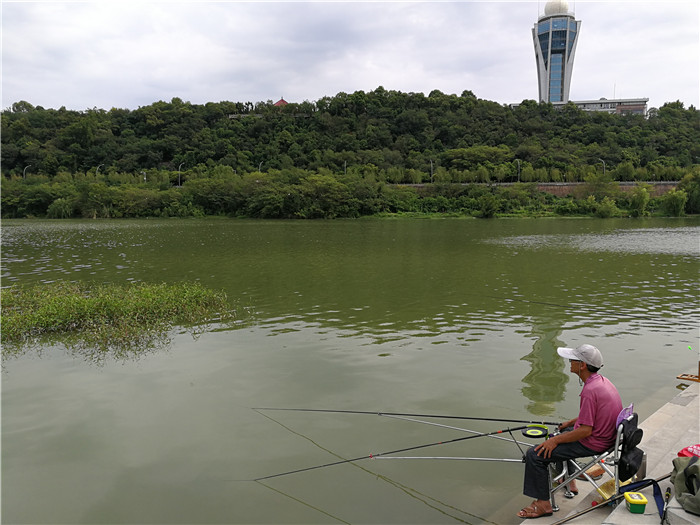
(126, 54)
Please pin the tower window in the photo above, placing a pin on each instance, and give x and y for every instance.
(559, 23)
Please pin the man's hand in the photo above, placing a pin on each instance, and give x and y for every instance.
(545, 448)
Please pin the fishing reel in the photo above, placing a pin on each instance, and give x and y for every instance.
(536, 432)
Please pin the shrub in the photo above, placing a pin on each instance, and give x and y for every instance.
(60, 209)
(673, 202)
(607, 208)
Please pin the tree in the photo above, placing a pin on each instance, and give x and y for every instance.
(639, 200)
(673, 202)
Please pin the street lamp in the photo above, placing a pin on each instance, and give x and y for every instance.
(24, 171)
(97, 171)
(178, 174)
(601, 160)
(431, 170)
(260, 166)
(518, 161)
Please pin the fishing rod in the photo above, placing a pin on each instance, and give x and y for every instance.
(329, 411)
(637, 486)
(454, 458)
(381, 454)
(432, 423)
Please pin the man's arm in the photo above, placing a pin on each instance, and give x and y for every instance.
(545, 448)
(567, 424)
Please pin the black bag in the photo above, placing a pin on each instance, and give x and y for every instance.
(630, 456)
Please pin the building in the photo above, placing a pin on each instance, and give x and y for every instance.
(619, 106)
(555, 35)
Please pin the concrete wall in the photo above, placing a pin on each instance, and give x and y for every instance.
(562, 189)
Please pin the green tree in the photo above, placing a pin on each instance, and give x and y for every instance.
(673, 202)
(639, 200)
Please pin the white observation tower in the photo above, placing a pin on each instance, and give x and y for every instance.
(555, 35)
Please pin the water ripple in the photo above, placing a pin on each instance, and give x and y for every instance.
(669, 241)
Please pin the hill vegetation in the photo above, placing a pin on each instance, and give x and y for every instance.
(342, 156)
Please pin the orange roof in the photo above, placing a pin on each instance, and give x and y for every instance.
(281, 102)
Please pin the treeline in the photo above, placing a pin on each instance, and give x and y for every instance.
(397, 137)
(294, 193)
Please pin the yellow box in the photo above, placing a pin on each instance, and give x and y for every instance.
(636, 502)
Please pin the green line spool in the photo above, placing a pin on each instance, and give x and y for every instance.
(535, 431)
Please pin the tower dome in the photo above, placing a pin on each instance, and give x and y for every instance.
(556, 7)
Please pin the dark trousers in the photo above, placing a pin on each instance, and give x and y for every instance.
(536, 482)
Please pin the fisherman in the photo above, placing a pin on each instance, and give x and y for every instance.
(593, 430)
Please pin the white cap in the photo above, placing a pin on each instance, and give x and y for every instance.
(589, 354)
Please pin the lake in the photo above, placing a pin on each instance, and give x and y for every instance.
(454, 317)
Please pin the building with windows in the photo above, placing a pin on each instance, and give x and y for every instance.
(555, 35)
(618, 106)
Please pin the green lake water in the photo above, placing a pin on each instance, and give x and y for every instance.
(448, 316)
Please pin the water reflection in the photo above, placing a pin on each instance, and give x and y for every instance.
(545, 383)
(101, 348)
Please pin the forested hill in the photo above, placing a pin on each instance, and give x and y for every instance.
(399, 137)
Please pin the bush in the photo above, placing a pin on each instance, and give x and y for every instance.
(60, 209)
(488, 206)
(639, 200)
(691, 185)
(673, 202)
(607, 208)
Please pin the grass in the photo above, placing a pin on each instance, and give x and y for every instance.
(105, 316)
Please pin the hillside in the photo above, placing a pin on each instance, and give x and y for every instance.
(404, 135)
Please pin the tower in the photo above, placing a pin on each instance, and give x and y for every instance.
(555, 35)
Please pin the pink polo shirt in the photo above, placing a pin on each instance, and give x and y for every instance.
(600, 406)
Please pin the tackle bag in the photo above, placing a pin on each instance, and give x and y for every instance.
(630, 456)
(686, 482)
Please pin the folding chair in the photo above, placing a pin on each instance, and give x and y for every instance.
(620, 462)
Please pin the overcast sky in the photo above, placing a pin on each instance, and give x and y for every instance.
(121, 54)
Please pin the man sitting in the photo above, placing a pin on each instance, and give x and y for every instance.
(593, 430)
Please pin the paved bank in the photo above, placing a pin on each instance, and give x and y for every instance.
(668, 430)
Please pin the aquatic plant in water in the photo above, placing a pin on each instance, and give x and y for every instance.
(100, 318)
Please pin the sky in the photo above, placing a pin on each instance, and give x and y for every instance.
(123, 54)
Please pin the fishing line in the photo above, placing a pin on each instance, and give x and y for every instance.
(373, 456)
(409, 491)
(329, 411)
(304, 503)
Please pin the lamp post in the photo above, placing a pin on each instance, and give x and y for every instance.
(260, 166)
(178, 174)
(24, 171)
(97, 171)
(518, 161)
(431, 171)
(601, 160)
